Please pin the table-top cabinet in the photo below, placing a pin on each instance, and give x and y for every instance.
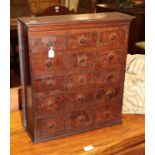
(72, 72)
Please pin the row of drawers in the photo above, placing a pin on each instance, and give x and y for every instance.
(75, 61)
(115, 36)
(76, 99)
(90, 79)
(78, 119)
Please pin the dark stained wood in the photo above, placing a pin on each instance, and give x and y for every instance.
(123, 139)
(81, 87)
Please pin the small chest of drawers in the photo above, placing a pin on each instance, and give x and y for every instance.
(72, 72)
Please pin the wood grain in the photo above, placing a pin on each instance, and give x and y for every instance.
(126, 138)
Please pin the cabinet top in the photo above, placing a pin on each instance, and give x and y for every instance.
(107, 17)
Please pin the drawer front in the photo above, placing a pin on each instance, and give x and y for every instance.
(79, 119)
(50, 105)
(50, 126)
(41, 64)
(107, 96)
(114, 38)
(108, 77)
(80, 80)
(107, 113)
(80, 99)
(81, 60)
(53, 83)
(109, 57)
(82, 40)
(43, 43)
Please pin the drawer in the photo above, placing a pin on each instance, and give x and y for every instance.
(43, 43)
(109, 57)
(107, 96)
(81, 60)
(79, 99)
(106, 114)
(50, 126)
(85, 39)
(114, 38)
(107, 77)
(80, 80)
(79, 119)
(50, 105)
(41, 64)
(52, 83)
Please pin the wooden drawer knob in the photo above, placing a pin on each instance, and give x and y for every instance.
(110, 76)
(52, 126)
(83, 41)
(81, 80)
(49, 64)
(107, 114)
(50, 84)
(82, 99)
(82, 60)
(110, 57)
(109, 94)
(113, 37)
(81, 118)
(50, 103)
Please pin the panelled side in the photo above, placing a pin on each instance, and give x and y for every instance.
(27, 107)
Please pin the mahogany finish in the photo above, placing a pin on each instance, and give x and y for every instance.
(80, 88)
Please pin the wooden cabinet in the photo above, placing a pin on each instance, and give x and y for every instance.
(72, 72)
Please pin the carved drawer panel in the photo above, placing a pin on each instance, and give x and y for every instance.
(108, 77)
(41, 64)
(50, 105)
(45, 42)
(114, 38)
(50, 126)
(80, 80)
(109, 57)
(79, 119)
(81, 60)
(82, 40)
(79, 99)
(53, 83)
(107, 96)
(107, 113)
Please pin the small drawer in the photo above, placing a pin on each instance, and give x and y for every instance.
(79, 119)
(82, 40)
(50, 126)
(53, 83)
(43, 43)
(115, 38)
(108, 77)
(50, 105)
(80, 80)
(107, 96)
(41, 64)
(109, 57)
(79, 99)
(105, 114)
(81, 60)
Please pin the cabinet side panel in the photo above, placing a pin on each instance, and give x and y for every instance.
(27, 108)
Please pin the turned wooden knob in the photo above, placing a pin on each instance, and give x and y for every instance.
(82, 60)
(110, 76)
(51, 126)
(110, 57)
(49, 64)
(83, 41)
(113, 37)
